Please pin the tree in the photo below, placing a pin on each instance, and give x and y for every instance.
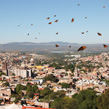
(65, 85)
(54, 95)
(2, 73)
(18, 88)
(23, 87)
(35, 88)
(29, 88)
(56, 66)
(64, 103)
(86, 99)
(6, 83)
(45, 92)
(57, 104)
(51, 77)
(30, 94)
(13, 74)
(74, 86)
(70, 67)
(103, 100)
(17, 99)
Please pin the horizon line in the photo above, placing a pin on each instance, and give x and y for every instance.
(53, 42)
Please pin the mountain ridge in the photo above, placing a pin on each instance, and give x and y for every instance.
(49, 46)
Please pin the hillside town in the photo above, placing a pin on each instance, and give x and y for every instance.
(28, 79)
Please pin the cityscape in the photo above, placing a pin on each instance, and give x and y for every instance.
(54, 54)
(43, 81)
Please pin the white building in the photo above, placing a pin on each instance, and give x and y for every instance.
(23, 72)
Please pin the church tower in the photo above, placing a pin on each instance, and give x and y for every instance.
(76, 74)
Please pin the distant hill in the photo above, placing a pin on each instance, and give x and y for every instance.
(50, 46)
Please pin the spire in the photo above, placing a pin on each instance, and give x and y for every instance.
(76, 71)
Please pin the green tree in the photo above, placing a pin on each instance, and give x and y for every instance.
(13, 74)
(70, 67)
(54, 95)
(17, 99)
(29, 88)
(86, 99)
(6, 83)
(35, 88)
(64, 103)
(56, 66)
(18, 88)
(57, 104)
(45, 92)
(51, 77)
(2, 73)
(30, 94)
(103, 100)
(23, 87)
(65, 85)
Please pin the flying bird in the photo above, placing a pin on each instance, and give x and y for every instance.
(31, 24)
(56, 20)
(28, 34)
(99, 34)
(82, 32)
(57, 33)
(86, 31)
(103, 6)
(50, 23)
(36, 38)
(57, 45)
(105, 46)
(72, 20)
(78, 4)
(18, 25)
(54, 15)
(82, 48)
(85, 17)
(48, 18)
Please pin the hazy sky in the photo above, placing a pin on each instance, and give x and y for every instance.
(27, 12)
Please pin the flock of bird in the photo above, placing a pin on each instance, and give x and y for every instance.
(72, 20)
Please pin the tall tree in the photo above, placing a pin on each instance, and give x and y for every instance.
(86, 99)
(64, 103)
(103, 100)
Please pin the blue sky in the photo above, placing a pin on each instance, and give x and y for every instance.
(27, 12)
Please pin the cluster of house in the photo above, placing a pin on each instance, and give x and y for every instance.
(26, 69)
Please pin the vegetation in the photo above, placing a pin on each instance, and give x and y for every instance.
(57, 66)
(103, 101)
(86, 99)
(65, 85)
(51, 77)
(6, 83)
(30, 89)
(2, 73)
(13, 74)
(54, 95)
(45, 92)
(70, 67)
(64, 103)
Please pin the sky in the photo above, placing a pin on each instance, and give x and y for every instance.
(27, 12)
